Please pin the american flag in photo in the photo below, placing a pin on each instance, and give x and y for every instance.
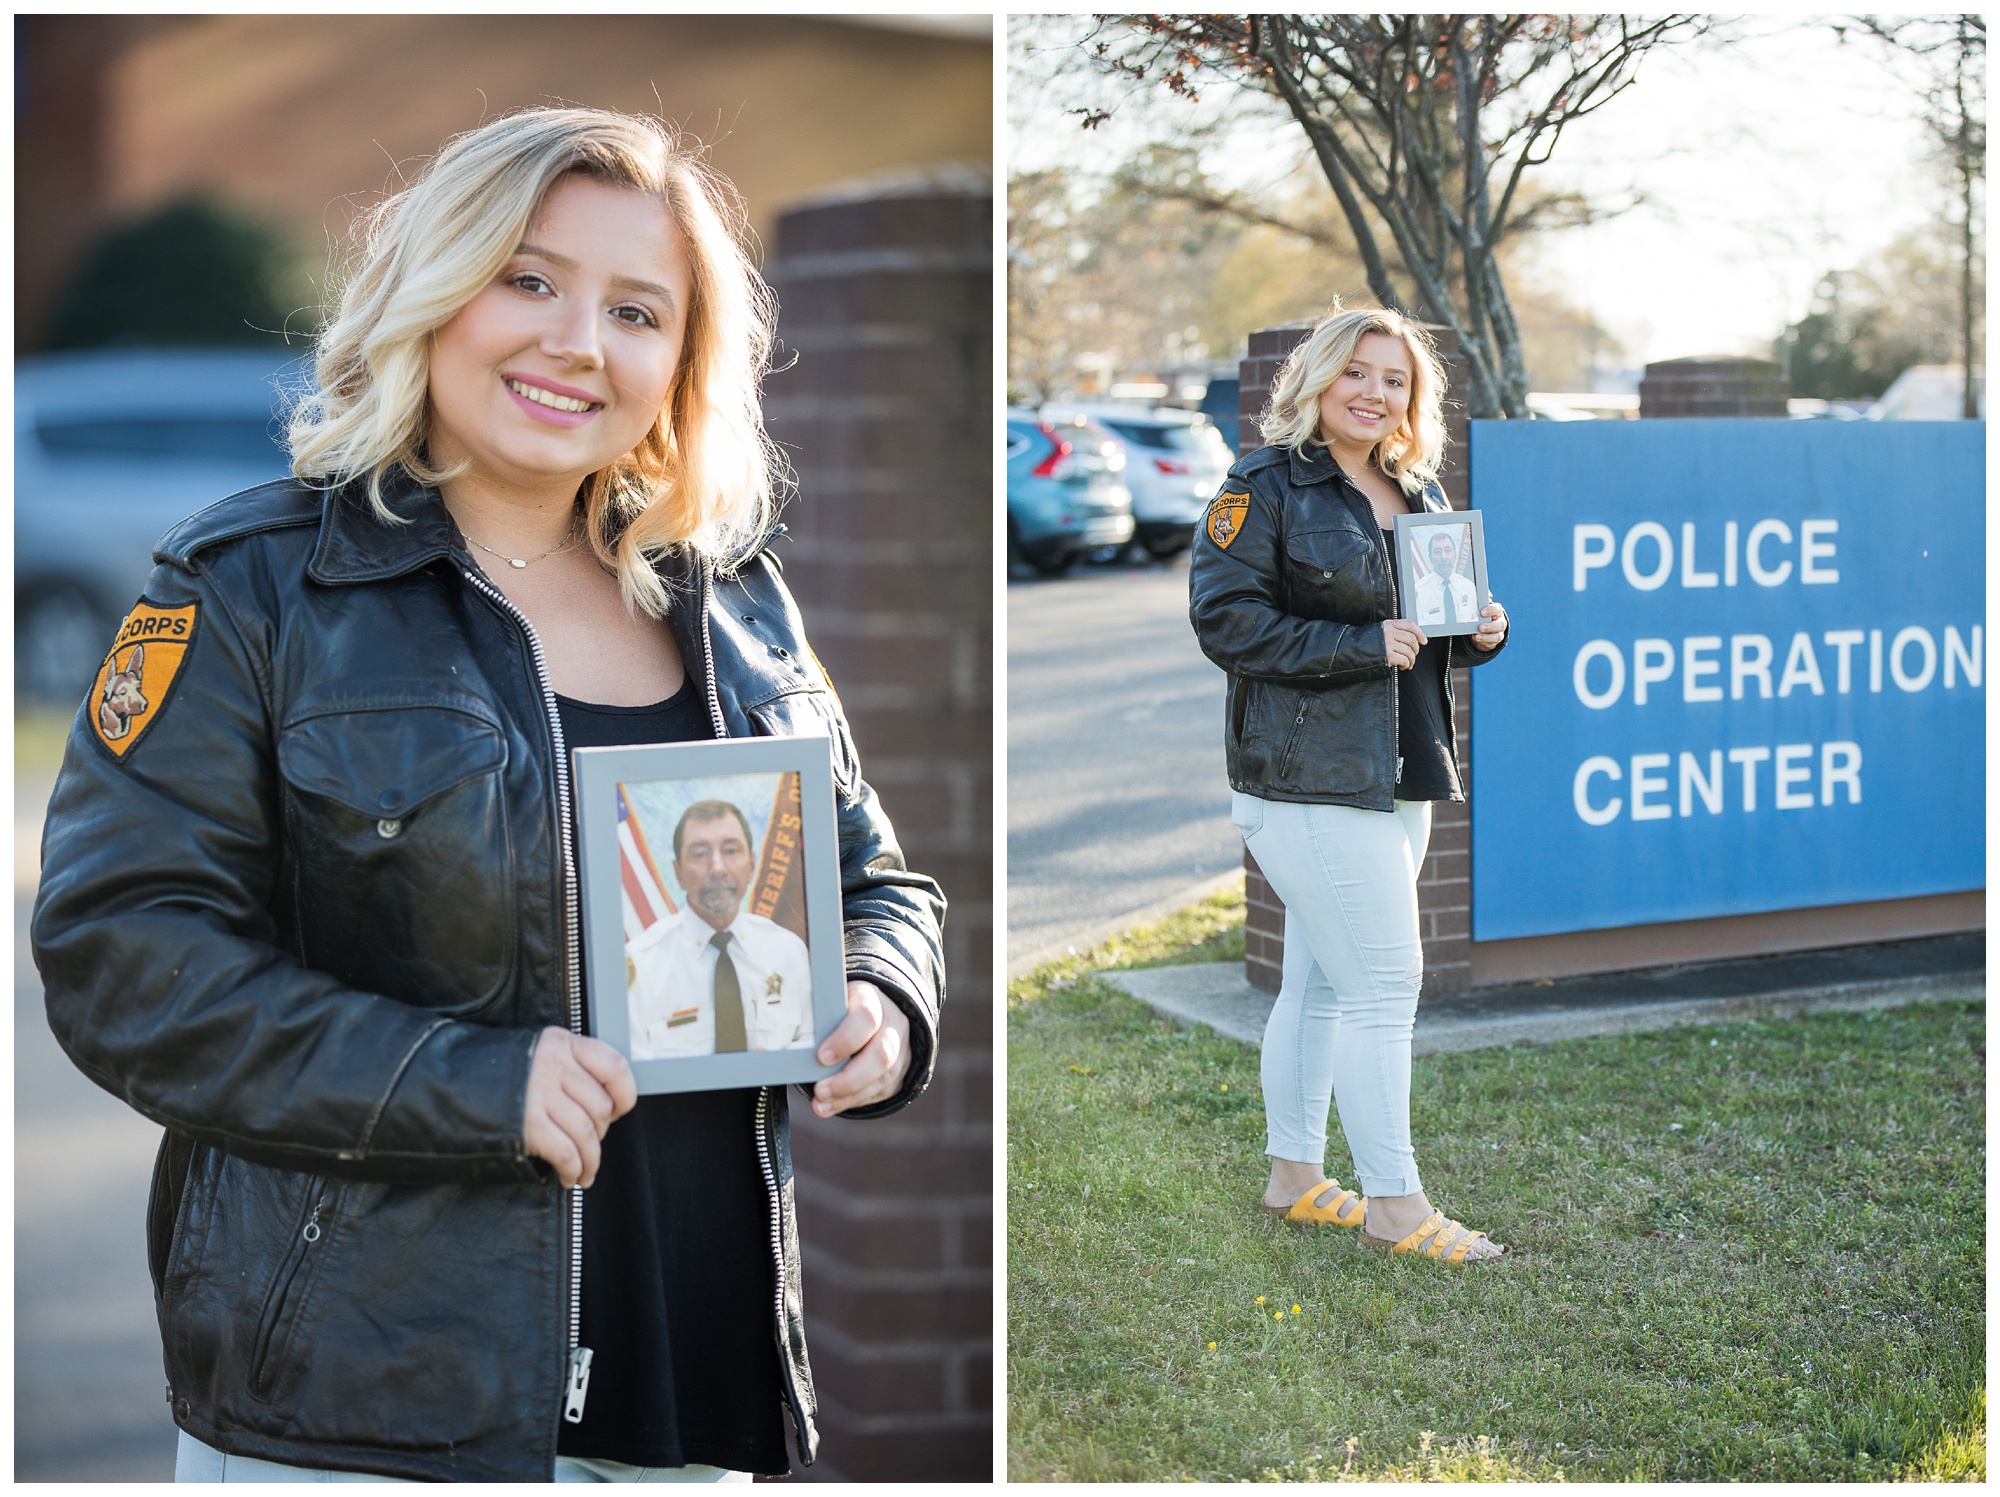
(644, 892)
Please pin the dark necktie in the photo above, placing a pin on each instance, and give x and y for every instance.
(729, 1036)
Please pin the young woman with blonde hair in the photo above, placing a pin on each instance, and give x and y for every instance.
(314, 909)
(1339, 738)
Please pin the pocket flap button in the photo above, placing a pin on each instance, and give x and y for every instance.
(390, 800)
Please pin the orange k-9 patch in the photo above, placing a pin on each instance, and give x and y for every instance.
(1225, 517)
(136, 677)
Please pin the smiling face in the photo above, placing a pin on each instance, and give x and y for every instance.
(713, 864)
(561, 366)
(1370, 397)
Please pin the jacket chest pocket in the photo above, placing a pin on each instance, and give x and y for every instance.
(404, 881)
(1335, 574)
(796, 714)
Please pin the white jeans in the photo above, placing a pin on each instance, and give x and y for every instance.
(195, 1461)
(1354, 964)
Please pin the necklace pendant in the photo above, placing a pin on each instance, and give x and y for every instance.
(513, 563)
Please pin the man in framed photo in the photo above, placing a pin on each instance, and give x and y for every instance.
(1444, 597)
(715, 978)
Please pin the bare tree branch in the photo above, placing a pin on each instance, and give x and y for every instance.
(1411, 118)
(1952, 52)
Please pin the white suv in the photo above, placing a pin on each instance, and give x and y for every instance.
(1174, 462)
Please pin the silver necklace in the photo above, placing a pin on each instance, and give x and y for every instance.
(568, 540)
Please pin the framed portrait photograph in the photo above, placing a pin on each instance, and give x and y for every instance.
(711, 909)
(1441, 570)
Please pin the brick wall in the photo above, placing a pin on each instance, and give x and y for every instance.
(1713, 387)
(885, 296)
(1444, 883)
(61, 70)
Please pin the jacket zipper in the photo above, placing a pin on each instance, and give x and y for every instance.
(282, 1287)
(763, 1126)
(577, 1385)
(1396, 602)
(777, 1236)
(576, 1379)
(708, 652)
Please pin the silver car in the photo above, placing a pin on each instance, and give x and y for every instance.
(1175, 461)
(112, 447)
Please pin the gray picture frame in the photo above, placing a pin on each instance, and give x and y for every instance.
(1445, 608)
(599, 772)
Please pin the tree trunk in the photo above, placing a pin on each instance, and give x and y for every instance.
(1966, 309)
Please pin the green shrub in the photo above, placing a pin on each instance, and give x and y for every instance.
(190, 273)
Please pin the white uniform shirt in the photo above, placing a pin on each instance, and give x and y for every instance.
(672, 995)
(1464, 599)
(1431, 600)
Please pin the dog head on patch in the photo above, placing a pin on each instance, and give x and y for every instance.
(122, 699)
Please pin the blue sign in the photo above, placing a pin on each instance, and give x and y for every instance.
(1748, 671)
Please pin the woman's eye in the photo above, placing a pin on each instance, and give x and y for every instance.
(636, 316)
(529, 281)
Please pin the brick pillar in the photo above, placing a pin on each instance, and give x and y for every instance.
(886, 298)
(1444, 883)
(1713, 387)
(61, 120)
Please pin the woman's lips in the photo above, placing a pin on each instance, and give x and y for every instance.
(553, 406)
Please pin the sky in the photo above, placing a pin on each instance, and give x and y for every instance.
(1765, 160)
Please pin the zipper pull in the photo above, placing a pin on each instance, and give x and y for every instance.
(311, 1233)
(578, 1387)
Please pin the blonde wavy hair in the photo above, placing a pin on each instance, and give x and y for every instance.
(1414, 451)
(704, 476)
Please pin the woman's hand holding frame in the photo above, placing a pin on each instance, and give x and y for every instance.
(874, 1040)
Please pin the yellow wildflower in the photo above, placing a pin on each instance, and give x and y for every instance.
(1296, 1310)
(1211, 1346)
(1260, 1299)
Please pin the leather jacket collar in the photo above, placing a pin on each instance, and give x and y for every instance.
(1312, 462)
(355, 546)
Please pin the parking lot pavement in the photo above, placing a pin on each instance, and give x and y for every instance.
(89, 1393)
(1116, 795)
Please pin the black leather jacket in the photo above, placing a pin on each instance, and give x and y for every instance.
(312, 922)
(1292, 607)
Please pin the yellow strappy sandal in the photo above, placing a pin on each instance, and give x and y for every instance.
(1345, 1210)
(1448, 1241)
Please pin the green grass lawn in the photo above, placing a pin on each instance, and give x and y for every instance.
(1752, 1252)
(39, 735)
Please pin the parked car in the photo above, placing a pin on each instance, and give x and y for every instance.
(112, 447)
(1174, 462)
(1065, 495)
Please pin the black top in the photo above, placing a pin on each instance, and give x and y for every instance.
(678, 1278)
(1425, 768)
